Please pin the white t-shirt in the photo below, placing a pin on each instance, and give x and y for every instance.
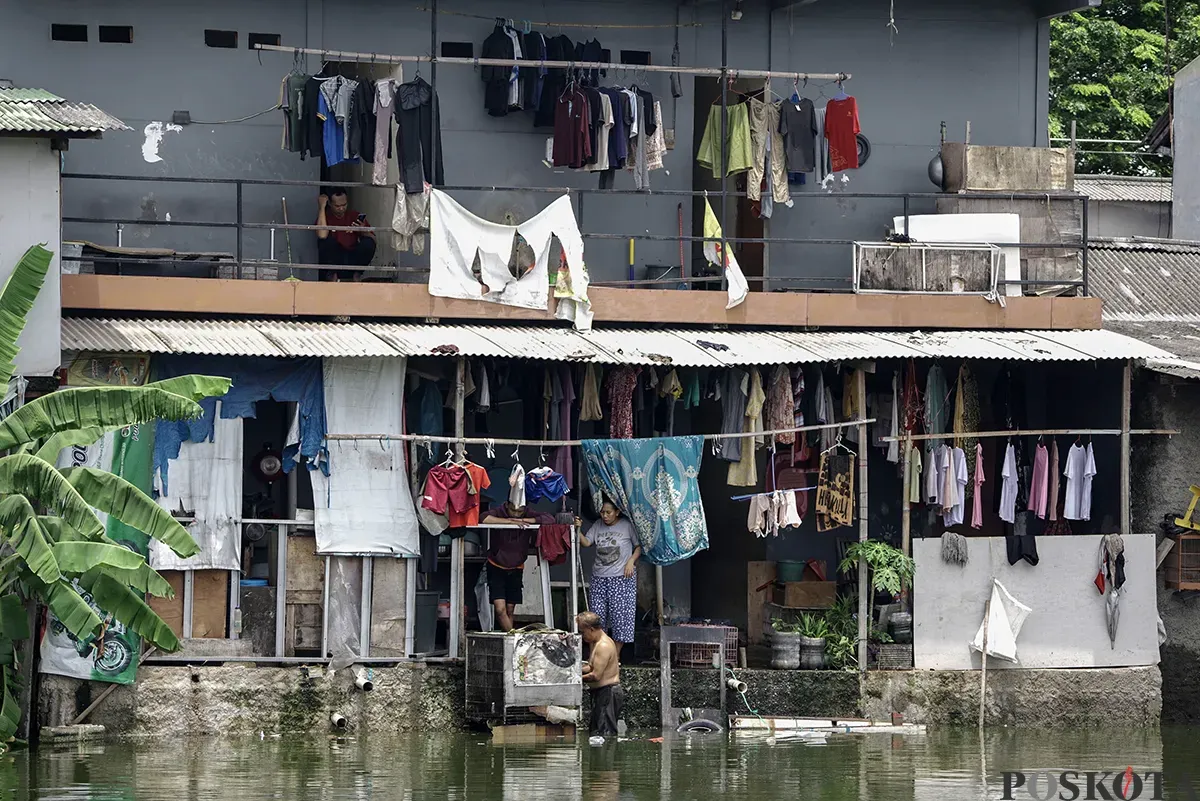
(614, 545)
(935, 475)
(1081, 467)
(954, 513)
(1008, 489)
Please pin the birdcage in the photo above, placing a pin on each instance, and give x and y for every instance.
(1182, 565)
(701, 655)
(508, 673)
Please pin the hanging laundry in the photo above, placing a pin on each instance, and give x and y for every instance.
(670, 390)
(835, 489)
(893, 449)
(497, 45)
(737, 139)
(935, 476)
(691, 390)
(478, 481)
(1039, 485)
(781, 409)
(664, 505)
(385, 95)
(589, 409)
(1112, 556)
(516, 486)
(554, 542)
(841, 130)
(798, 127)
(714, 247)
(761, 520)
(410, 220)
(1052, 494)
(786, 514)
(958, 479)
(361, 123)
(914, 475)
(769, 158)
(966, 418)
(563, 461)
(291, 102)
(977, 509)
(457, 237)
(744, 472)
(1008, 487)
(544, 482)
(484, 402)
(447, 490)
(735, 391)
(419, 125)
(621, 384)
(1081, 468)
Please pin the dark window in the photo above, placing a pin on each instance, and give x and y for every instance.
(635, 57)
(68, 33)
(214, 38)
(256, 39)
(458, 50)
(116, 34)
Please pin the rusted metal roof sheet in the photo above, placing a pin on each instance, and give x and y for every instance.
(1124, 188)
(39, 111)
(677, 347)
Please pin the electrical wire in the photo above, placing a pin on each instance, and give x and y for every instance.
(275, 107)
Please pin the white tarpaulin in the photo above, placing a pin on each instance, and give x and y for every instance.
(1004, 623)
(364, 506)
(206, 483)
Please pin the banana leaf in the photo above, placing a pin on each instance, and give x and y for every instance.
(41, 483)
(10, 710)
(193, 387)
(124, 604)
(91, 407)
(112, 494)
(80, 557)
(144, 579)
(76, 614)
(23, 532)
(14, 621)
(16, 301)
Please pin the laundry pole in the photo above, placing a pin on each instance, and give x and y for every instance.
(1126, 403)
(864, 607)
(458, 612)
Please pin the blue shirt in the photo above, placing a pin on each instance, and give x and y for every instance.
(332, 135)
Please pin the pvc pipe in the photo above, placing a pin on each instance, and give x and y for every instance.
(363, 681)
(338, 720)
(736, 685)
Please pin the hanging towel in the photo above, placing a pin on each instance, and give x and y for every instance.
(554, 542)
(654, 483)
(1004, 623)
(714, 245)
(457, 237)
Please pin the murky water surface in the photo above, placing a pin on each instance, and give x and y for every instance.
(937, 766)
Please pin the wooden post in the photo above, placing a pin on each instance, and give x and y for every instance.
(458, 614)
(987, 618)
(864, 606)
(658, 591)
(905, 505)
(1126, 402)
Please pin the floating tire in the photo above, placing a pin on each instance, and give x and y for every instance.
(699, 727)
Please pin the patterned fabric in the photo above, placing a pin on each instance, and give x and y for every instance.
(615, 601)
(781, 409)
(966, 419)
(621, 384)
(653, 483)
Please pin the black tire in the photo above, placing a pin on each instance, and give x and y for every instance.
(699, 727)
(114, 657)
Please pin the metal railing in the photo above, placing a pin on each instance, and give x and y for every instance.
(240, 225)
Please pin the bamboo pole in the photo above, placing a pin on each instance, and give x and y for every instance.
(1031, 432)
(987, 618)
(864, 604)
(1126, 402)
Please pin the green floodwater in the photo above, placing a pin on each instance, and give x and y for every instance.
(936, 766)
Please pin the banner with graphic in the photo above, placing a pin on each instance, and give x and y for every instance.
(112, 654)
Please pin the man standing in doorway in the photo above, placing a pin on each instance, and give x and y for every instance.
(506, 557)
(602, 675)
(342, 248)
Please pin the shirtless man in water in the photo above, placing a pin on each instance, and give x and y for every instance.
(602, 674)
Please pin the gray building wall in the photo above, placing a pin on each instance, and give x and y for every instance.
(1185, 143)
(1121, 219)
(985, 62)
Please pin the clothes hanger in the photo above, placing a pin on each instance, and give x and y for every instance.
(449, 458)
(841, 92)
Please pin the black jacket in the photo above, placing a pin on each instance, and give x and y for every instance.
(418, 120)
(360, 125)
(314, 141)
(495, 79)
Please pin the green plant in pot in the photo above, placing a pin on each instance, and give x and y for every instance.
(813, 633)
(785, 644)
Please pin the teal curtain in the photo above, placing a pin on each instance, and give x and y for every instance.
(654, 483)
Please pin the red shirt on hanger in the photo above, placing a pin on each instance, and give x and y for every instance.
(841, 129)
(479, 482)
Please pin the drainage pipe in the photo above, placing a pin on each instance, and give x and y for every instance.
(338, 721)
(736, 684)
(363, 681)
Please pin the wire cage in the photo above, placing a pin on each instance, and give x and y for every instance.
(1182, 565)
(701, 655)
(498, 688)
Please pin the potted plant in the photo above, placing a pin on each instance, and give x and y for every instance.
(785, 645)
(813, 633)
(841, 646)
(890, 570)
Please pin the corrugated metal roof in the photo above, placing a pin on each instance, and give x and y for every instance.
(679, 347)
(1180, 368)
(1124, 188)
(1140, 278)
(1180, 338)
(37, 111)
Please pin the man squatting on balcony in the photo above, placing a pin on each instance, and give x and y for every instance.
(345, 248)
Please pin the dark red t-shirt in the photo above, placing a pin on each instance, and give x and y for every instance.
(841, 129)
(347, 239)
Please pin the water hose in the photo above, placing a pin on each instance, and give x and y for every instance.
(740, 687)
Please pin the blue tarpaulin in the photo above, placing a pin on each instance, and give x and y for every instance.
(654, 483)
(254, 378)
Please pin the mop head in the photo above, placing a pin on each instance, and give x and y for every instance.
(954, 548)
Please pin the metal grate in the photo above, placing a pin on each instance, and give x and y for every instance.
(1182, 564)
(700, 655)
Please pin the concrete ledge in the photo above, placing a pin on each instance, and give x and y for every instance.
(1081, 697)
(74, 733)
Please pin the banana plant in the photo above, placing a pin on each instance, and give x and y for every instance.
(52, 542)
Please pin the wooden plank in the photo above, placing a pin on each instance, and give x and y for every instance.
(210, 609)
(532, 733)
(170, 609)
(757, 574)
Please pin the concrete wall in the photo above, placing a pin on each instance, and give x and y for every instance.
(1067, 625)
(1185, 142)
(984, 62)
(1109, 219)
(29, 215)
(1163, 469)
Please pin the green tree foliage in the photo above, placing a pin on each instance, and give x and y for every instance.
(52, 543)
(1110, 71)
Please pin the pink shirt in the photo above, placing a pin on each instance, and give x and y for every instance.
(977, 511)
(1039, 489)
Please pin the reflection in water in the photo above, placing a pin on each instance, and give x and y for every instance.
(938, 766)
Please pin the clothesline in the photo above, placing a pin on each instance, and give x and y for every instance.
(1017, 432)
(562, 443)
(563, 24)
(772, 492)
(380, 58)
